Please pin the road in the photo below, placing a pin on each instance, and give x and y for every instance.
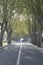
(21, 54)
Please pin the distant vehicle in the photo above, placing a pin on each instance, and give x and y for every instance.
(22, 39)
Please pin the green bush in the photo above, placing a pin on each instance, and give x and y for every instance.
(4, 41)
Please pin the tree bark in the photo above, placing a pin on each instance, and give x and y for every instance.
(1, 35)
(39, 37)
(34, 36)
(9, 36)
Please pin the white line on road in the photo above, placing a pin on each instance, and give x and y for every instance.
(19, 54)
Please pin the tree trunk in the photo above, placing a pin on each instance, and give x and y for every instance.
(39, 37)
(1, 38)
(9, 36)
(34, 37)
(1, 35)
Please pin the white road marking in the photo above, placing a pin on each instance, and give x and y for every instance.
(19, 54)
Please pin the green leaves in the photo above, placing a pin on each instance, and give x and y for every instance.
(19, 28)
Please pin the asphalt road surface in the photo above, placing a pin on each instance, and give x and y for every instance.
(21, 54)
